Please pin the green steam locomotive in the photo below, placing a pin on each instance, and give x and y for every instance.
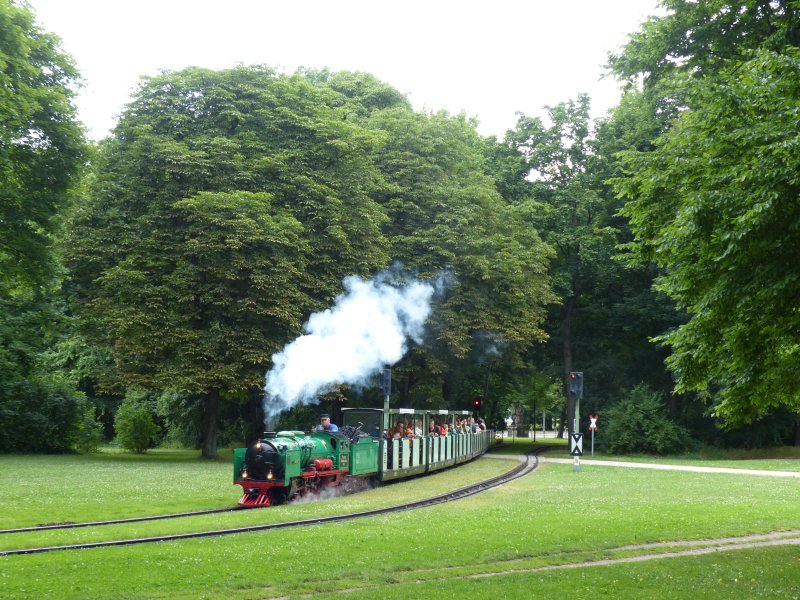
(373, 445)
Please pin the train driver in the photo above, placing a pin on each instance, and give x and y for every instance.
(325, 424)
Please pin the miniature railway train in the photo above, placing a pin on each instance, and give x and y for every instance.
(283, 465)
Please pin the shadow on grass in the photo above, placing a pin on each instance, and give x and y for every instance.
(525, 445)
(179, 455)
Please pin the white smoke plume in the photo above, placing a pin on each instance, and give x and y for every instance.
(368, 327)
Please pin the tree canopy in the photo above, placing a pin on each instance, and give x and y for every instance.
(41, 152)
(226, 207)
(168, 263)
(716, 205)
(41, 143)
(714, 201)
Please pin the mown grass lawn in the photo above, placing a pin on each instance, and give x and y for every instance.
(768, 573)
(551, 517)
(111, 484)
(388, 495)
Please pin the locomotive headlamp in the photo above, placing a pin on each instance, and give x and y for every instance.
(244, 474)
(269, 475)
(258, 445)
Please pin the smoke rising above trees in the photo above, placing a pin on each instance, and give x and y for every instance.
(369, 326)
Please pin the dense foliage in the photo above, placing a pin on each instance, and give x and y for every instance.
(228, 205)
(558, 166)
(640, 424)
(445, 213)
(717, 205)
(41, 148)
(715, 202)
(40, 142)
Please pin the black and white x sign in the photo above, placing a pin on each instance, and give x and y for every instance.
(576, 444)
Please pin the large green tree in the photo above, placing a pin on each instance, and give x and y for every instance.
(716, 205)
(713, 201)
(446, 213)
(41, 143)
(559, 165)
(575, 217)
(445, 216)
(700, 38)
(227, 205)
(41, 150)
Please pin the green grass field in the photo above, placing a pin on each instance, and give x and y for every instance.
(537, 536)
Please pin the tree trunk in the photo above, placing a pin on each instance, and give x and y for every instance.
(566, 330)
(487, 409)
(447, 389)
(210, 424)
(561, 423)
(252, 414)
(518, 423)
(674, 407)
(406, 385)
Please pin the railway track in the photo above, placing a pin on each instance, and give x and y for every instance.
(524, 468)
(52, 526)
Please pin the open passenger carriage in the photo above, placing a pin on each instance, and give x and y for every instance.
(417, 450)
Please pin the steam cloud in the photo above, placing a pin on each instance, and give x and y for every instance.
(368, 327)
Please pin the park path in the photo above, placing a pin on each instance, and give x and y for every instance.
(665, 467)
(778, 538)
(651, 551)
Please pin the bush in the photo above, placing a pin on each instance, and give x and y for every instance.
(89, 431)
(39, 414)
(639, 424)
(136, 430)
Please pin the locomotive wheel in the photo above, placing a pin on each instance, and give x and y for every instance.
(278, 495)
(333, 480)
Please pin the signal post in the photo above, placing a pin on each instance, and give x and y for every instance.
(575, 392)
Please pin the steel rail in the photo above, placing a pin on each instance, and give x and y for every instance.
(524, 468)
(52, 526)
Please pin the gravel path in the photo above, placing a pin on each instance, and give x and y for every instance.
(662, 467)
(711, 546)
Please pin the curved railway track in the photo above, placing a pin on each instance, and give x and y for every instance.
(524, 468)
(52, 526)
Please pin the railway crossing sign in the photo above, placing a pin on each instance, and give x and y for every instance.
(576, 444)
(593, 423)
(593, 428)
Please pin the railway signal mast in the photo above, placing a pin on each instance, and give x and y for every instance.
(575, 391)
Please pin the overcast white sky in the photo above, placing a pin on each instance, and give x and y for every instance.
(488, 59)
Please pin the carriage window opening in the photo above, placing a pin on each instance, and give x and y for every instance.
(371, 421)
